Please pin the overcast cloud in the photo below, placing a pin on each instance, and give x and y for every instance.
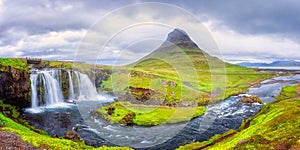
(244, 30)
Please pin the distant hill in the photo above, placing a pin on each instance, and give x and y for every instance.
(273, 64)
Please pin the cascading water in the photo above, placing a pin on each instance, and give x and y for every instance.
(52, 87)
(47, 87)
(52, 90)
(34, 98)
(86, 88)
(71, 86)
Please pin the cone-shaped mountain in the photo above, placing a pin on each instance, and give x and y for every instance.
(179, 49)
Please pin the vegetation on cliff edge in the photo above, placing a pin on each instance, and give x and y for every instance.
(13, 62)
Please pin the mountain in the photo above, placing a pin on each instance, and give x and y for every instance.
(178, 50)
(290, 63)
(285, 63)
(181, 39)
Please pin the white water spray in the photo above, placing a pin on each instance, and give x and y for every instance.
(87, 90)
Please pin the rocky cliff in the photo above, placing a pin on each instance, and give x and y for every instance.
(15, 86)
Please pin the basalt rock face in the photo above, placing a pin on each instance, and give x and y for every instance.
(15, 86)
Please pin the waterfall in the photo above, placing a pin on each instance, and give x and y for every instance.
(86, 88)
(71, 87)
(56, 74)
(47, 87)
(34, 98)
(52, 88)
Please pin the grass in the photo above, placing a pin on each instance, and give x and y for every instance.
(59, 64)
(147, 115)
(288, 92)
(276, 126)
(40, 139)
(13, 62)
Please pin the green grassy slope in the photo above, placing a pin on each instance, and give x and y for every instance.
(276, 126)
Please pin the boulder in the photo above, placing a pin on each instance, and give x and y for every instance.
(251, 99)
(73, 135)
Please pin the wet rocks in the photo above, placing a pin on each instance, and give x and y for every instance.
(251, 99)
(77, 127)
(73, 135)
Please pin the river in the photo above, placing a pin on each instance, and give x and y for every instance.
(219, 118)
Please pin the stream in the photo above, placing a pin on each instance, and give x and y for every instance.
(218, 118)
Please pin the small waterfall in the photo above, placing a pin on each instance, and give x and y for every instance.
(86, 88)
(47, 87)
(78, 82)
(56, 74)
(34, 97)
(52, 88)
(71, 87)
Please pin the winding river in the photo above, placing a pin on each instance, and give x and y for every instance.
(219, 118)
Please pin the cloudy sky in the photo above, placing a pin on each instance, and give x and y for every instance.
(255, 30)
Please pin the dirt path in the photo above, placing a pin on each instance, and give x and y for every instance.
(11, 141)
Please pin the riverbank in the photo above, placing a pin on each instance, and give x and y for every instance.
(275, 126)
